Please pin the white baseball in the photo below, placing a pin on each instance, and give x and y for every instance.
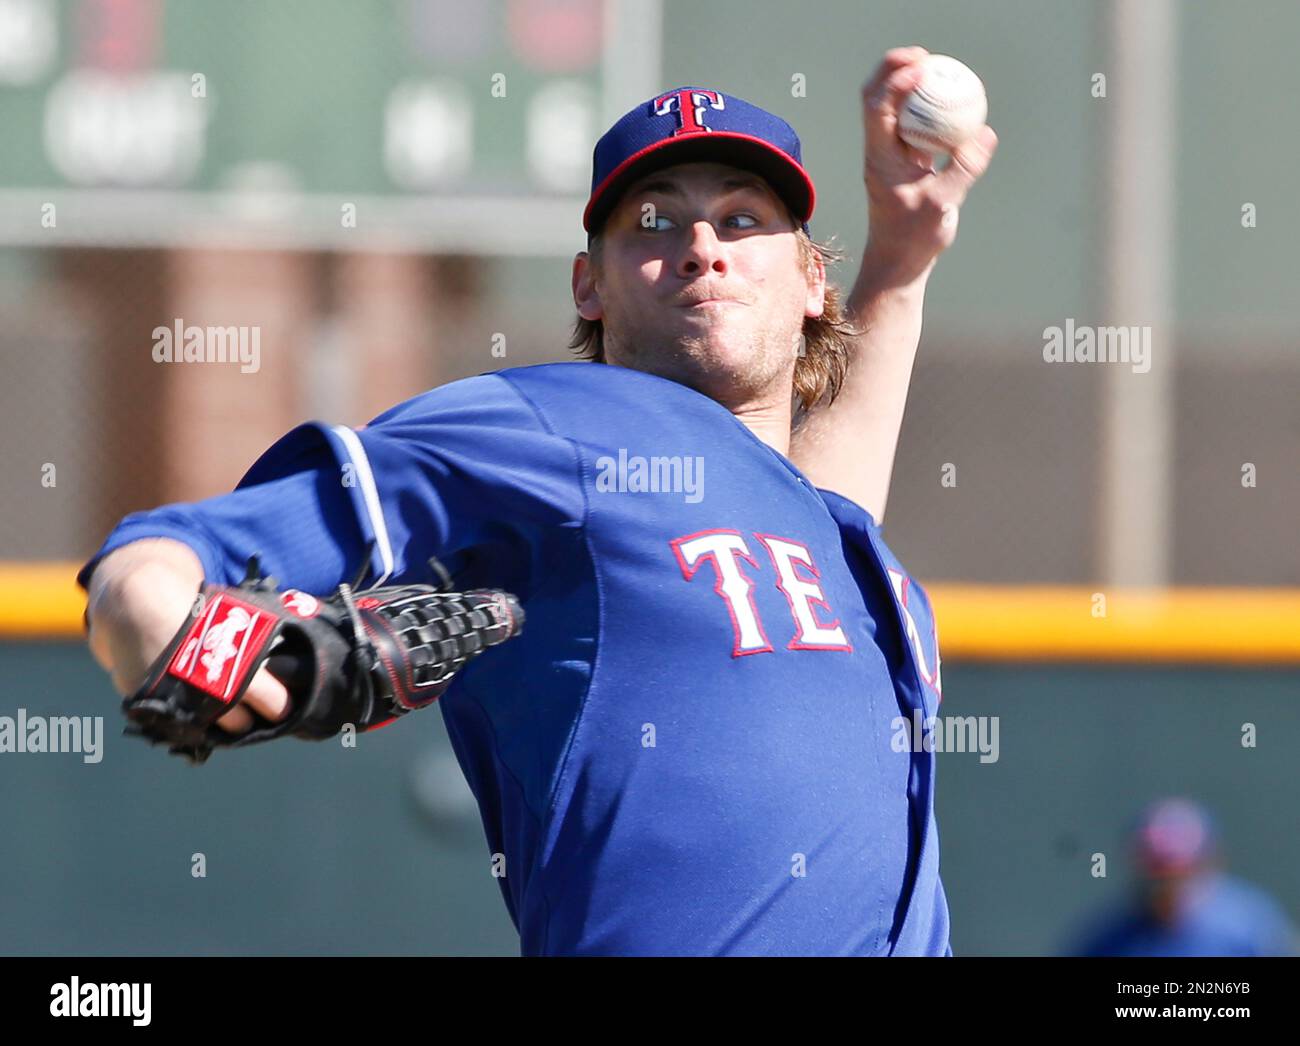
(946, 108)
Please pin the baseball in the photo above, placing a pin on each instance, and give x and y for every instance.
(945, 109)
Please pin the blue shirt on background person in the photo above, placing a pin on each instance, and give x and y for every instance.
(1186, 905)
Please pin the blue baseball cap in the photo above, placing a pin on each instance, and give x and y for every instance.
(695, 125)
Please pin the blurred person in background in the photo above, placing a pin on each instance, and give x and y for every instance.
(1185, 904)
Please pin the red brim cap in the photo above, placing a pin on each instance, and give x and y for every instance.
(694, 125)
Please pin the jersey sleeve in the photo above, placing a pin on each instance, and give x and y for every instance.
(301, 525)
(469, 463)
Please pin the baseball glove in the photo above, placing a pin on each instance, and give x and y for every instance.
(362, 658)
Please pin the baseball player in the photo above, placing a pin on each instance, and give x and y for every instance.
(1184, 903)
(688, 750)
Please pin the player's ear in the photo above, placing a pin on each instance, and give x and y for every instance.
(585, 295)
(815, 303)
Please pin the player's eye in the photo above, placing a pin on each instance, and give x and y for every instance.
(742, 218)
(658, 223)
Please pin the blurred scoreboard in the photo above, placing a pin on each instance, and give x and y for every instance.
(455, 100)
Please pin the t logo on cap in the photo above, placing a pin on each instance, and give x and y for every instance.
(690, 106)
(670, 129)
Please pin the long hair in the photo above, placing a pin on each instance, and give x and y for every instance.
(823, 360)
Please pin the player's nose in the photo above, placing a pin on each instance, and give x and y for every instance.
(702, 251)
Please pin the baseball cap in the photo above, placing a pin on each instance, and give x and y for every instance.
(696, 125)
(1174, 836)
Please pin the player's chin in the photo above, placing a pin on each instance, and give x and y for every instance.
(732, 351)
(727, 370)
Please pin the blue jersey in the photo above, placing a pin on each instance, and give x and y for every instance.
(692, 748)
(1221, 915)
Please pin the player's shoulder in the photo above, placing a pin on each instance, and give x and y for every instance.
(535, 389)
(478, 393)
(580, 381)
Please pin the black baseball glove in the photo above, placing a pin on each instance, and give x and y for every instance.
(362, 658)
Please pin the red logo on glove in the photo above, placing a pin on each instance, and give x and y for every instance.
(217, 650)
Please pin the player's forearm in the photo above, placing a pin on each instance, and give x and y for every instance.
(912, 215)
(849, 446)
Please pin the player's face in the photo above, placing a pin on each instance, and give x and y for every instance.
(700, 280)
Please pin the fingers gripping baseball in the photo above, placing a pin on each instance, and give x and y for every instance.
(913, 208)
(882, 97)
(969, 162)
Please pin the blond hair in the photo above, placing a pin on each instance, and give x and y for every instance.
(819, 371)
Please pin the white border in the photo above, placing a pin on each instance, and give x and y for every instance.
(357, 454)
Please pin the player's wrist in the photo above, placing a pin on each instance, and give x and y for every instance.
(140, 561)
(898, 259)
(132, 615)
(140, 592)
(889, 278)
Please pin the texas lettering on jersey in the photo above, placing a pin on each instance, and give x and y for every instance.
(902, 585)
(725, 550)
(727, 553)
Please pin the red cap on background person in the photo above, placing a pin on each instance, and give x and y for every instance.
(1174, 837)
